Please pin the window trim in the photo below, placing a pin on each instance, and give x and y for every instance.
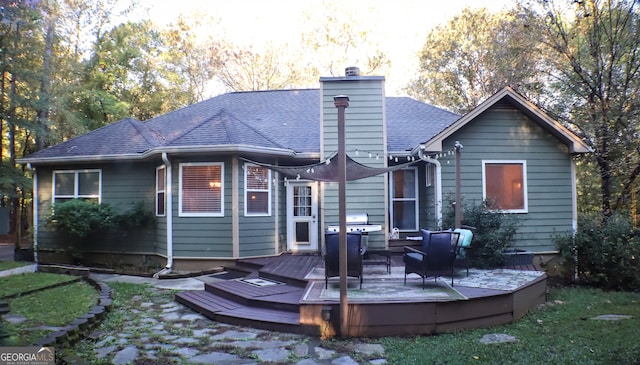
(525, 208)
(75, 195)
(247, 191)
(163, 191)
(181, 213)
(416, 199)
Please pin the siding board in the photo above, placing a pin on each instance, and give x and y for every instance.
(510, 135)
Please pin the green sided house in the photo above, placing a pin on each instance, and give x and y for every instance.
(195, 169)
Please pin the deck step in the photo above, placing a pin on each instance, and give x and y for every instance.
(220, 309)
(279, 296)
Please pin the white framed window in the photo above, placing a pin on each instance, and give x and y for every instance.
(429, 172)
(504, 185)
(257, 189)
(77, 184)
(404, 199)
(161, 181)
(201, 189)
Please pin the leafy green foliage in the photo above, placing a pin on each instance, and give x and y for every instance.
(135, 217)
(79, 218)
(495, 232)
(605, 252)
(474, 55)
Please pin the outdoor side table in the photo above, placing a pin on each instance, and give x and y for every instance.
(380, 257)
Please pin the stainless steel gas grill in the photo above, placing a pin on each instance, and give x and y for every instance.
(357, 223)
(360, 223)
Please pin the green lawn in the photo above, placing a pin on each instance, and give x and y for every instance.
(561, 332)
(50, 307)
(15, 284)
(7, 265)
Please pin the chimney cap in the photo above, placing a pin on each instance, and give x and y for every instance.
(352, 71)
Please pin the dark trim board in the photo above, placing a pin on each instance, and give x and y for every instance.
(280, 307)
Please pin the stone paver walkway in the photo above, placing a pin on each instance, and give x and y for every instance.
(160, 330)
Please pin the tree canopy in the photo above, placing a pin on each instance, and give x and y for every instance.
(475, 54)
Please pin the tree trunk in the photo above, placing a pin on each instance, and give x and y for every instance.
(45, 83)
(15, 202)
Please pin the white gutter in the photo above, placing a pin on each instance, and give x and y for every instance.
(34, 196)
(438, 188)
(240, 148)
(169, 216)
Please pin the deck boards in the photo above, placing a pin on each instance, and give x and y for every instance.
(291, 266)
(277, 307)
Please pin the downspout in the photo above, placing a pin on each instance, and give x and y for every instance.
(169, 216)
(35, 213)
(438, 183)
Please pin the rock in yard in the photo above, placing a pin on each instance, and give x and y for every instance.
(497, 338)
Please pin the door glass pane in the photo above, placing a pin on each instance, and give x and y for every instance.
(404, 217)
(302, 201)
(302, 232)
(404, 184)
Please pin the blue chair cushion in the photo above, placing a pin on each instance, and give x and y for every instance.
(464, 241)
(414, 256)
(425, 239)
(465, 237)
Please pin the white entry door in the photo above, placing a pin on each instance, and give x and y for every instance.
(302, 216)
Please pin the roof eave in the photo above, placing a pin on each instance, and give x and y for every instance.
(575, 144)
(279, 152)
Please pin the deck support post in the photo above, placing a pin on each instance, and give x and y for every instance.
(458, 207)
(342, 102)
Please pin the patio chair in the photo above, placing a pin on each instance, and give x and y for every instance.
(436, 257)
(331, 256)
(464, 246)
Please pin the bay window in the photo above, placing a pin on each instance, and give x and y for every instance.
(257, 190)
(201, 190)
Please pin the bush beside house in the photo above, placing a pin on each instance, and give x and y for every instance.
(78, 223)
(604, 252)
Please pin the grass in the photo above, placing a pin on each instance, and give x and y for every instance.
(51, 307)
(561, 332)
(15, 284)
(8, 265)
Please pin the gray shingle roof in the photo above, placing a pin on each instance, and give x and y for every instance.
(282, 119)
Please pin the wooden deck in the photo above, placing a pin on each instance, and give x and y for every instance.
(281, 308)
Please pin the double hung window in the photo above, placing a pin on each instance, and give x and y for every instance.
(77, 184)
(257, 190)
(161, 181)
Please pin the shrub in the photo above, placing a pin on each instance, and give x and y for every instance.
(604, 252)
(495, 232)
(79, 218)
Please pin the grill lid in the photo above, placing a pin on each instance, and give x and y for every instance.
(358, 218)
